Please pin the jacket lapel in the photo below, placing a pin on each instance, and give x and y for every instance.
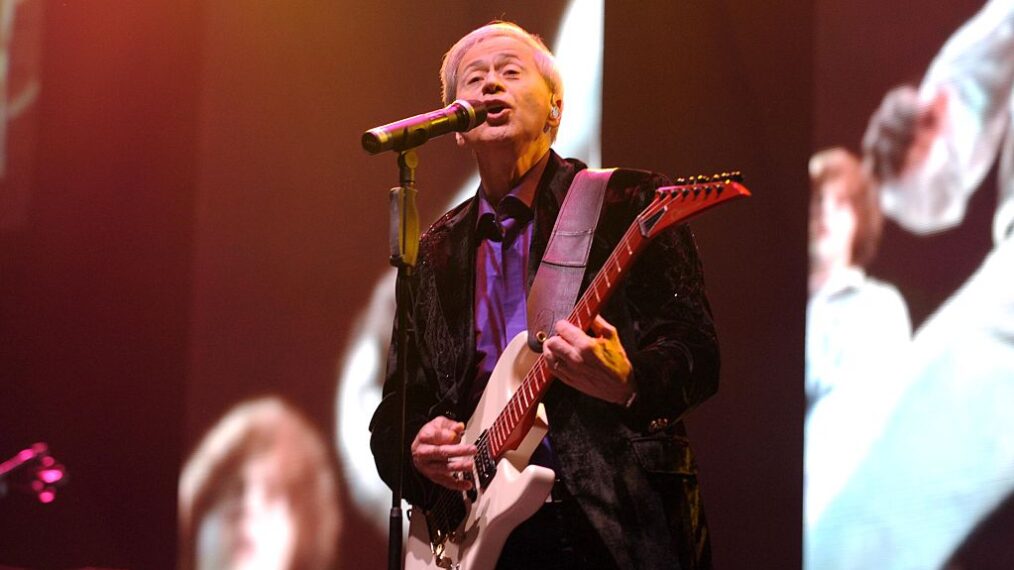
(454, 266)
(454, 276)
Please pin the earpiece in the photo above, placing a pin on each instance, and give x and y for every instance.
(554, 112)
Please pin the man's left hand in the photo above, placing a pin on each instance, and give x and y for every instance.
(596, 365)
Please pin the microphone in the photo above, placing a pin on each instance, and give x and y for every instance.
(460, 116)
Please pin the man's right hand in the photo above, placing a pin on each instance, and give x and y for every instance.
(901, 131)
(439, 454)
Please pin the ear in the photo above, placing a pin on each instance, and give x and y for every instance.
(459, 139)
(555, 112)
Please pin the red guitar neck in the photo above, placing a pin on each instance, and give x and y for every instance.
(672, 205)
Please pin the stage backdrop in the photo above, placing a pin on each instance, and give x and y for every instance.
(202, 229)
(908, 455)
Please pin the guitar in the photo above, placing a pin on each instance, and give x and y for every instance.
(467, 530)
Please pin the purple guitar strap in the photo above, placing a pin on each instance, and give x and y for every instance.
(558, 279)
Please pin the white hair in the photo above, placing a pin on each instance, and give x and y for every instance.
(544, 59)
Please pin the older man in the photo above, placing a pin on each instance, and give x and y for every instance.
(627, 493)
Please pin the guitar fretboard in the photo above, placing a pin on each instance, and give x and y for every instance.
(538, 379)
(671, 205)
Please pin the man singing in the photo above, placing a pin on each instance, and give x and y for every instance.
(626, 494)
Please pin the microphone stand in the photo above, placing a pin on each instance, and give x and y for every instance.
(404, 245)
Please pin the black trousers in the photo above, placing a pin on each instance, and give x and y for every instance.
(558, 537)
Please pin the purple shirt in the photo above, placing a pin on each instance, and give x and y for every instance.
(501, 276)
(501, 272)
(501, 282)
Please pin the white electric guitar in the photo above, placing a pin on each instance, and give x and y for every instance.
(467, 530)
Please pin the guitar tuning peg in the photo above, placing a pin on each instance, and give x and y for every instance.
(681, 181)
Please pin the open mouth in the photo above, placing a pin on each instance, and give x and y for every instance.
(496, 111)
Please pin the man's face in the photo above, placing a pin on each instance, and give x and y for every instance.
(502, 72)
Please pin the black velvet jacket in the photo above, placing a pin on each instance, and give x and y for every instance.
(631, 470)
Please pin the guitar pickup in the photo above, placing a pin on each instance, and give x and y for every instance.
(485, 467)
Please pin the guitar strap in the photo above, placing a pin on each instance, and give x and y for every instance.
(558, 279)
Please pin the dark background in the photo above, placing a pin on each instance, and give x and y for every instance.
(203, 227)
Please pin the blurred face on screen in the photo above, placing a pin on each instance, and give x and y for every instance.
(501, 71)
(833, 219)
(253, 527)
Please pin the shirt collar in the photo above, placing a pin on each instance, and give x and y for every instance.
(842, 280)
(523, 193)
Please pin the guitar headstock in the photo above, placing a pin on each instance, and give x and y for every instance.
(688, 197)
